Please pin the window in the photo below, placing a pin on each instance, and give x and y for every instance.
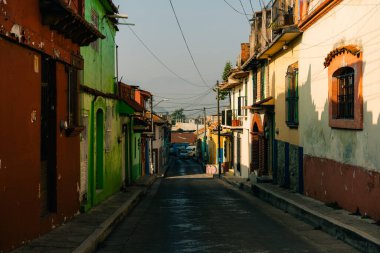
(254, 82)
(345, 93)
(291, 96)
(95, 23)
(262, 82)
(242, 102)
(345, 87)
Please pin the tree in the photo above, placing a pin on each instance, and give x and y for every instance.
(178, 115)
(227, 69)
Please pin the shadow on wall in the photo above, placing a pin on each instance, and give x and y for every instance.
(340, 166)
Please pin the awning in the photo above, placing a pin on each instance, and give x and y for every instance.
(227, 85)
(288, 34)
(239, 74)
(61, 18)
(269, 101)
(156, 119)
(140, 124)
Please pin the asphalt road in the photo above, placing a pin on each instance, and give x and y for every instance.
(189, 211)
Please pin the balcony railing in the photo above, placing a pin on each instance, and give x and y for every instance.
(229, 118)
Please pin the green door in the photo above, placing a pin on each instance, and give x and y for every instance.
(99, 149)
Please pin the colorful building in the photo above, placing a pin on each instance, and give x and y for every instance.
(39, 153)
(339, 105)
(101, 163)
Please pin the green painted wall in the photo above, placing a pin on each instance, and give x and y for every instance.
(99, 74)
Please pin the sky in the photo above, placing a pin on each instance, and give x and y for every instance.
(154, 56)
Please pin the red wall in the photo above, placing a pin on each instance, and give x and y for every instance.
(20, 95)
(352, 187)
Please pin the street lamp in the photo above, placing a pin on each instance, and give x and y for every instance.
(162, 100)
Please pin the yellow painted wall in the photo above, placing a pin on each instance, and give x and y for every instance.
(277, 72)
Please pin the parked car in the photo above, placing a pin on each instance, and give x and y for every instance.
(183, 154)
(191, 151)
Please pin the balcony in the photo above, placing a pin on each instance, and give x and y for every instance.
(229, 119)
(68, 21)
(283, 16)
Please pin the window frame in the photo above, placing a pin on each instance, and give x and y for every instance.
(345, 105)
(291, 96)
(346, 58)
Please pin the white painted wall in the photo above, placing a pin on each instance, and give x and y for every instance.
(244, 133)
(350, 22)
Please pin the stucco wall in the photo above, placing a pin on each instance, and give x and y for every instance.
(20, 160)
(345, 24)
(99, 73)
(341, 166)
(277, 72)
(245, 90)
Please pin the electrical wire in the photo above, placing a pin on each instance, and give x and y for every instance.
(187, 46)
(160, 61)
(234, 8)
(250, 2)
(244, 12)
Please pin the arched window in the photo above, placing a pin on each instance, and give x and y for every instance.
(344, 87)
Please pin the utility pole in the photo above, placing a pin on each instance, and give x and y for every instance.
(197, 121)
(219, 153)
(152, 136)
(204, 137)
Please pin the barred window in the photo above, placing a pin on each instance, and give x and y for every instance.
(345, 93)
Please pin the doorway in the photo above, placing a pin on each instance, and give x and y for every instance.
(48, 149)
(99, 149)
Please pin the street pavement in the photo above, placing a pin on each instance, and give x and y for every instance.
(189, 211)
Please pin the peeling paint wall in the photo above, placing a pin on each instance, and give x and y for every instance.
(99, 74)
(20, 107)
(327, 148)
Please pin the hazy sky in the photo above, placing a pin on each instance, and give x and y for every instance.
(213, 31)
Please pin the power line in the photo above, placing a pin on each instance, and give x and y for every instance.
(244, 12)
(160, 61)
(187, 46)
(250, 2)
(191, 110)
(234, 8)
(186, 98)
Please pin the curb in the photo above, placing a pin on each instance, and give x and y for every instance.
(346, 233)
(106, 227)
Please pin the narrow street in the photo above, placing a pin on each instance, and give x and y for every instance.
(189, 211)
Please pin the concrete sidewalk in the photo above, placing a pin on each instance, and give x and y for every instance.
(84, 232)
(362, 234)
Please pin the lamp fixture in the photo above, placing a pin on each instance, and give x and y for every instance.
(125, 16)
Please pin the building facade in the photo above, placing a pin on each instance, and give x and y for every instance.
(101, 167)
(40, 65)
(339, 105)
